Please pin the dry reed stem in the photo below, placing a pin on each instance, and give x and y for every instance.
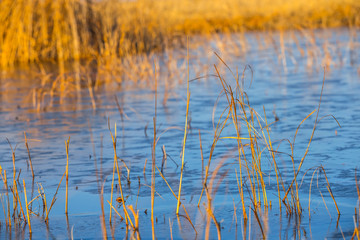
(164, 160)
(153, 159)
(16, 193)
(176, 197)
(136, 220)
(43, 198)
(259, 223)
(202, 158)
(14, 174)
(67, 142)
(8, 218)
(329, 189)
(113, 172)
(217, 132)
(28, 150)
(127, 217)
(115, 210)
(308, 146)
(54, 198)
(27, 208)
(185, 130)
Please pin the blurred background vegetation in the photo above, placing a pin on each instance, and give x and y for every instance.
(61, 30)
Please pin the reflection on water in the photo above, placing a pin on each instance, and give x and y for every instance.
(287, 72)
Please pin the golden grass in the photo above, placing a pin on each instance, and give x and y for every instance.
(60, 30)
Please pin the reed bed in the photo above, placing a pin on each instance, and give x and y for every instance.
(52, 86)
(61, 30)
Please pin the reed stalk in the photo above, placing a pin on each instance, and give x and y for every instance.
(6, 213)
(153, 161)
(185, 130)
(114, 168)
(28, 151)
(27, 208)
(54, 199)
(67, 142)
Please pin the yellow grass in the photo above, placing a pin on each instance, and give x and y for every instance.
(60, 30)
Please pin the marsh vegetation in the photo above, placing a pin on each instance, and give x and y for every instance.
(165, 119)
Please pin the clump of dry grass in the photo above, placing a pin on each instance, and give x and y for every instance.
(14, 211)
(252, 134)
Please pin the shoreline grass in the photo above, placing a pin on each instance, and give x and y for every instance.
(62, 30)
